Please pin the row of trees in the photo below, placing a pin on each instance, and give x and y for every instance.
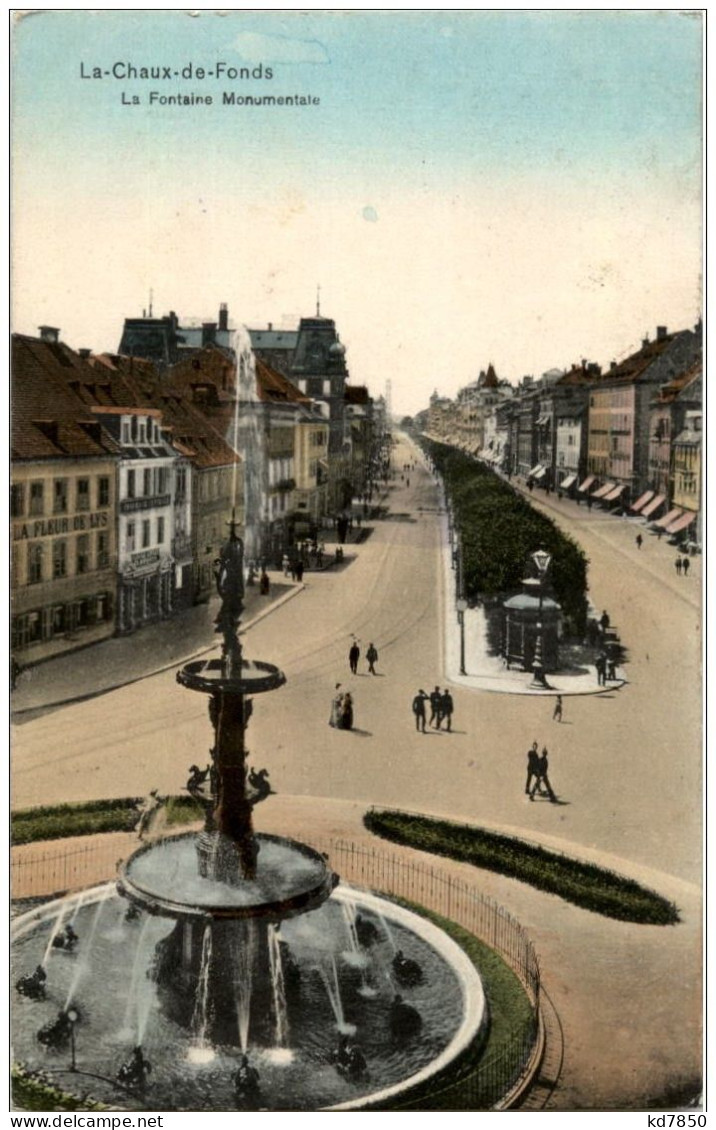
(499, 530)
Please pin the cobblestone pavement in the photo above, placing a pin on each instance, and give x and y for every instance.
(626, 766)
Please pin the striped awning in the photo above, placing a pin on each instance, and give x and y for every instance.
(568, 482)
(641, 501)
(653, 505)
(541, 473)
(535, 471)
(603, 491)
(673, 514)
(587, 483)
(681, 523)
(616, 493)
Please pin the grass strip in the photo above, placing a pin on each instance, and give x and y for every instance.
(584, 884)
(33, 1091)
(88, 818)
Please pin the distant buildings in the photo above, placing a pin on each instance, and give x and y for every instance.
(626, 438)
(127, 467)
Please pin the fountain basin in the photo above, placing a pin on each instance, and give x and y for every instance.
(291, 878)
(120, 1007)
(209, 676)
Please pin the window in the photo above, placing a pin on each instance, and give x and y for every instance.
(17, 500)
(134, 428)
(142, 431)
(131, 485)
(181, 482)
(103, 610)
(102, 549)
(126, 436)
(147, 482)
(59, 558)
(83, 494)
(103, 491)
(37, 498)
(34, 563)
(160, 480)
(160, 531)
(57, 620)
(60, 496)
(83, 555)
(130, 537)
(145, 533)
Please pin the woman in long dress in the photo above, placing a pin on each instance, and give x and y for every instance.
(336, 709)
(347, 712)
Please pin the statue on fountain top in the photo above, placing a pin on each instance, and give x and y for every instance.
(229, 574)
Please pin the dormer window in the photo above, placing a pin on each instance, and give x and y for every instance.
(125, 431)
(142, 431)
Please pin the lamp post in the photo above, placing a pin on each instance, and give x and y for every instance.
(542, 561)
(461, 609)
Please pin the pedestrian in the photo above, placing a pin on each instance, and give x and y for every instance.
(435, 711)
(446, 708)
(685, 566)
(557, 712)
(604, 621)
(601, 665)
(532, 767)
(419, 710)
(353, 657)
(611, 668)
(677, 563)
(14, 673)
(639, 539)
(372, 657)
(264, 583)
(299, 571)
(336, 708)
(346, 719)
(542, 781)
(285, 565)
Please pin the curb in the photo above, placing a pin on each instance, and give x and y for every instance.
(156, 670)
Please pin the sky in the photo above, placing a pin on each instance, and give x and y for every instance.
(515, 187)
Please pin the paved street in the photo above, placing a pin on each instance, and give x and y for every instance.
(626, 765)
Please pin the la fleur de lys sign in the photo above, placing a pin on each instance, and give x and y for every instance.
(47, 527)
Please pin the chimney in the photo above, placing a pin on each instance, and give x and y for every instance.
(661, 333)
(49, 333)
(223, 316)
(208, 332)
(612, 366)
(645, 342)
(270, 326)
(84, 353)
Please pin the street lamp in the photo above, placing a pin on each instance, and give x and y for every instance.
(461, 609)
(542, 560)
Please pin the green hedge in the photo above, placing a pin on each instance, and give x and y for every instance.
(584, 884)
(499, 529)
(88, 818)
(32, 1091)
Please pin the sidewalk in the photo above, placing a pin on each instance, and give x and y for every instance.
(121, 660)
(487, 672)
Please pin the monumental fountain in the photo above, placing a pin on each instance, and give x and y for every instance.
(229, 969)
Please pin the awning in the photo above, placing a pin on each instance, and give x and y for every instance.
(587, 483)
(681, 523)
(535, 471)
(653, 505)
(568, 482)
(616, 493)
(641, 501)
(541, 473)
(603, 491)
(669, 518)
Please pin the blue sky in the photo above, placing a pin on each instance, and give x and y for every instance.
(480, 168)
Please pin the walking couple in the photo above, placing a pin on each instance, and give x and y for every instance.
(537, 779)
